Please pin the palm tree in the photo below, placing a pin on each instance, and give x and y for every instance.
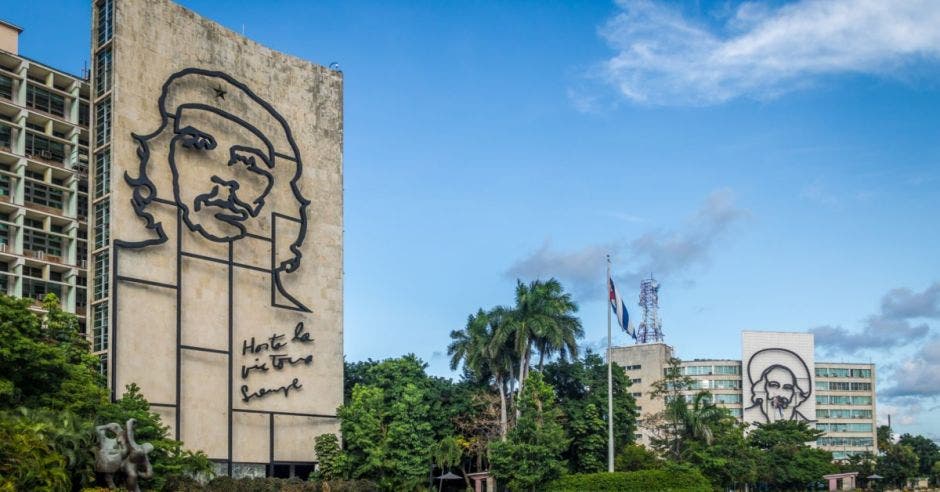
(700, 417)
(485, 354)
(561, 329)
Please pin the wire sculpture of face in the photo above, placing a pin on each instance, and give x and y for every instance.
(781, 386)
(221, 173)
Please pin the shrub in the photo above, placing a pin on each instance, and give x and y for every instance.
(673, 478)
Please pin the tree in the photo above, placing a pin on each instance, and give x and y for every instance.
(897, 464)
(884, 437)
(486, 356)
(329, 457)
(927, 452)
(530, 454)
(635, 457)
(725, 458)
(581, 390)
(45, 362)
(786, 461)
(669, 426)
(394, 417)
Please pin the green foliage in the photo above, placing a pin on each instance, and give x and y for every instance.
(530, 454)
(897, 464)
(636, 457)
(726, 458)
(927, 452)
(786, 462)
(388, 426)
(672, 478)
(228, 484)
(44, 362)
(329, 456)
(581, 389)
(28, 458)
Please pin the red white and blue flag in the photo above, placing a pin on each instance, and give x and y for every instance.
(620, 309)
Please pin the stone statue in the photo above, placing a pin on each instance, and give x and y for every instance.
(122, 453)
(110, 453)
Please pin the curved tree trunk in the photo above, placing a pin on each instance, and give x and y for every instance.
(503, 419)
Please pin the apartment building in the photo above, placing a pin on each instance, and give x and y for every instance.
(44, 141)
(836, 398)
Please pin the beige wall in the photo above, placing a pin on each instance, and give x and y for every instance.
(153, 40)
(9, 38)
(653, 358)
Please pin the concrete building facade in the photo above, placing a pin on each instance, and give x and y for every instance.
(44, 138)
(777, 378)
(217, 232)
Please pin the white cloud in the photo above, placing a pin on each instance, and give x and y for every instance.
(665, 253)
(757, 51)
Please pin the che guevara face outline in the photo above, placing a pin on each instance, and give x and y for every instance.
(220, 177)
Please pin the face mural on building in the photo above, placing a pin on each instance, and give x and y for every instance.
(224, 169)
(780, 382)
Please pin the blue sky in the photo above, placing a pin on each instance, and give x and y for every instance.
(775, 165)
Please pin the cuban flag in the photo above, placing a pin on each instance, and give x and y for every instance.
(620, 309)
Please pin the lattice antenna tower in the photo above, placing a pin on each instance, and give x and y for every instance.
(651, 328)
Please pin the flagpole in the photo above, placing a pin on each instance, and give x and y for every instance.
(610, 384)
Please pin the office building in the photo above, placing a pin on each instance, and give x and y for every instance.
(777, 378)
(44, 137)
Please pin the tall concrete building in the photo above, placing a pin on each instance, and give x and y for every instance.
(776, 379)
(44, 139)
(217, 233)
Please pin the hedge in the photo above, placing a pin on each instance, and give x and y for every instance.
(675, 479)
(227, 484)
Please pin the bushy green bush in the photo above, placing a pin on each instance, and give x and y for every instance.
(672, 478)
(228, 484)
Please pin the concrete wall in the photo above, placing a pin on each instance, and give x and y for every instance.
(9, 38)
(778, 365)
(653, 358)
(209, 303)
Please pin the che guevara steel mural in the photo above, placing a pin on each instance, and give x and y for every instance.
(234, 170)
(780, 383)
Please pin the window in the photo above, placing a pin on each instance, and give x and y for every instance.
(102, 217)
(720, 398)
(4, 185)
(103, 122)
(861, 387)
(637, 395)
(104, 13)
(728, 370)
(697, 370)
(861, 400)
(44, 100)
(726, 384)
(6, 136)
(99, 329)
(102, 173)
(101, 275)
(83, 118)
(844, 441)
(632, 368)
(6, 87)
(636, 380)
(82, 207)
(103, 365)
(861, 373)
(46, 148)
(40, 241)
(735, 412)
(844, 427)
(103, 70)
(44, 195)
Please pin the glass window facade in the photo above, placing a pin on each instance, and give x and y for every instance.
(102, 173)
(43, 194)
(100, 327)
(103, 71)
(44, 100)
(842, 386)
(101, 280)
(104, 13)
(40, 241)
(103, 122)
(6, 87)
(102, 217)
(45, 148)
(842, 372)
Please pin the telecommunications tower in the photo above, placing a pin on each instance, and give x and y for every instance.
(651, 328)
